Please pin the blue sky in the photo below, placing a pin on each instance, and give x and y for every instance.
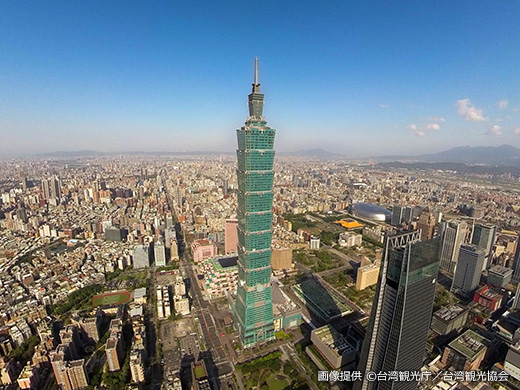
(358, 78)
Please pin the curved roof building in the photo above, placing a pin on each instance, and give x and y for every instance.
(370, 211)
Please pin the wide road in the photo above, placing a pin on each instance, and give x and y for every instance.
(201, 310)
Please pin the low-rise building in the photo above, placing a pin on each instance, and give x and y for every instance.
(448, 319)
(499, 276)
(512, 362)
(367, 276)
(286, 314)
(182, 305)
(314, 243)
(140, 296)
(466, 352)
(199, 376)
(203, 249)
(350, 239)
(488, 297)
(220, 275)
(332, 346)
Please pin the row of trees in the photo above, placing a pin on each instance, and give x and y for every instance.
(76, 300)
(271, 361)
(25, 351)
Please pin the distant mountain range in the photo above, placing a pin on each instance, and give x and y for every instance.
(453, 166)
(504, 155)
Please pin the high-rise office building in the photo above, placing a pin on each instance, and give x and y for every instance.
(469, 269)
(225, 185)
(51, 188)
(401, 214)
(254, 307)
(159, 251)
(499, 276)
(516, 301)
(397, 331)
(452, 234)
(484, 237)
(231, 238)
(397, 215)
(141, 256)
(426, 224)
(516, 262)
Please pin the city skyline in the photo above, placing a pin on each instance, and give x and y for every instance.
(171, 77)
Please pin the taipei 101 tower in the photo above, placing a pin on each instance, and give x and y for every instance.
(254, 307)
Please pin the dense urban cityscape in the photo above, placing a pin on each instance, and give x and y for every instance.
(216, 272)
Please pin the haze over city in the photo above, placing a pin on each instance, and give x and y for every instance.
(347, 77)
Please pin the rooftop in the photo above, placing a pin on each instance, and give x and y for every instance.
(489, 293)
(469, 344)
(334, 340)
(369, 267)
(200, 371)
(449, 313)
(499, 270)
(202, 242)
(349, 223)
(140, 292)
(226, 262)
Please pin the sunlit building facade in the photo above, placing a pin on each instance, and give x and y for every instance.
(254, 307)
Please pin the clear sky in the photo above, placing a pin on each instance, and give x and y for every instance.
(358, 78)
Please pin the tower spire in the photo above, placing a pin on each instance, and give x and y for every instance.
(256, 99)
(256, 70)
(256, 85)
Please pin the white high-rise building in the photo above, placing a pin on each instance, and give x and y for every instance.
(160, 254)
(453, 234)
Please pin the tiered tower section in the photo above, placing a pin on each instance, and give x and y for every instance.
(254, 308)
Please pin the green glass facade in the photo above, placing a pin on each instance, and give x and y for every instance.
(255, 154)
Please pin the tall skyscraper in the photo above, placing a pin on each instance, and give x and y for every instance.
(254, 307)
(516, 301)
(484, 237)
(225, 185)
(516, 262)
(397, 215)
(174, 250)
(231, 238)
(453, 234)
(397, 331)
(51, 188)
(159, 254)
(426, 224)
(469, 269)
